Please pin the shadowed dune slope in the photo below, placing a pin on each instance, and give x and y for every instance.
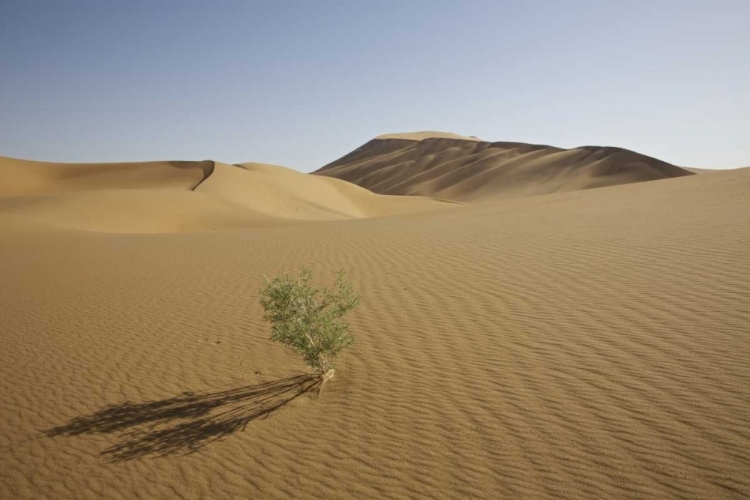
(590, 344)
(467, 169)
(182, 196)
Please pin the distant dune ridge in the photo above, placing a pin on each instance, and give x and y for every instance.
(468, 169)
(175, 196)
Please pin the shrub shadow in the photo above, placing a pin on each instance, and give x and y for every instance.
(185, 423)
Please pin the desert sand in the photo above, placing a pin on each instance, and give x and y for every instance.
(160, 197)
(460, 168)
(589, 343)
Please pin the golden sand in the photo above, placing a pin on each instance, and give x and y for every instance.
(586, 344)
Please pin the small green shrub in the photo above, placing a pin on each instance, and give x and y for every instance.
(310, 320)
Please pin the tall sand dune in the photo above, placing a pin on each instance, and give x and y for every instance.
(467, 169)
(589, 344)
(182, 196)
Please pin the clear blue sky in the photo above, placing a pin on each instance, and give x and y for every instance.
(300, 83)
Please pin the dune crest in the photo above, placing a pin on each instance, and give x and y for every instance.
(427, 134)
(470, 170)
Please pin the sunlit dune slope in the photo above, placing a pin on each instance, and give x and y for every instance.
(590, 344)
(35, 178)
(467, 169)
(288, 193)
(182, 196)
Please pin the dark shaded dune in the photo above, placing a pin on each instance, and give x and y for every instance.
(472, 170)
(623, 160)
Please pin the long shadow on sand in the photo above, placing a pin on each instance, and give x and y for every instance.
(184, 423)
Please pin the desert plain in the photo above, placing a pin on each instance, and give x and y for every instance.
(535, 322)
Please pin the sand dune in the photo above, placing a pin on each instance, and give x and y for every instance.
(183, 196)
(467, 169)
(587, 344)
(35, 178)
